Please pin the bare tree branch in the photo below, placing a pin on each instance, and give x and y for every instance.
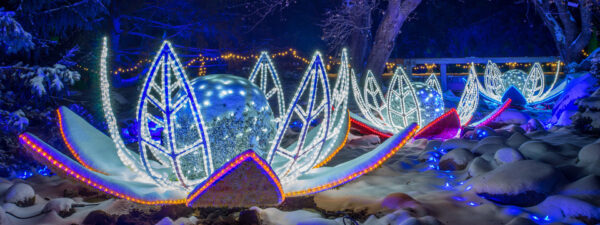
(341, 23)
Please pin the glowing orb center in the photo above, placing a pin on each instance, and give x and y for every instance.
(236, 114)
(514, 77)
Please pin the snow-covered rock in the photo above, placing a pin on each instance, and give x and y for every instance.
(512, 128)
(4, 217)
(542, 151)
(399, 200)
(181, 221)
(456, 159)
(62, 206)
(521, 221)
(516, 140)
(433, 145)
(589, 154)
(483, 132)
(365, 141)
(478, 166)
(276, 216)
(561, 207)
(457, 143)
(512, 116)
(532, 125)
(521, 183)
(507, 155)
(20, 194)
(4, 186)
(491, 140)
(487, 148)
(586, 188)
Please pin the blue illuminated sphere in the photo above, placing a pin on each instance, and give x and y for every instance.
(236, 116)
(431, 102)
(514, 77)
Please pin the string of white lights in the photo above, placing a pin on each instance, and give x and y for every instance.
(433, 82)
(469, 99)
(362, 106)
(493, 80)
(125, 155)
(305, 148)
(264, 70)
(399, 93)
(167, 78)
(532, 85)
(535, 82)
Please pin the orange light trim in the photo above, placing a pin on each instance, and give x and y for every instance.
(71, 149)
(326, 160)
(232, 164)
(356, 174)
(59, 166)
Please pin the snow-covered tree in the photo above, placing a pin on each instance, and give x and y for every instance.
(12, 36)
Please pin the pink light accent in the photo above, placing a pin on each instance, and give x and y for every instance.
(364, 128)
(493, 115)
(444, 127)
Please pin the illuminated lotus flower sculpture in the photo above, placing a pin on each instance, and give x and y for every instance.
(406, 102)
(222, 140)
(522, 88)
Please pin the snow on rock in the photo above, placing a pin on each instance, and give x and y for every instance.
(516, 140)
(433, 145)
(20, 194)
(457, 143)
(399, 200)
(521, 221)
(487, 148)
(491, 140)
(483, 132)
(478, 166)
(401, 217)
(532, 125)
(521, 183)
(4, 217)
(542, 151)
(456, 159)
(4, 187)
(62, 206)
(562, 207)
(365, 141)
(276, 216)
(507, 155)
(513, 116)
(181, 221)
(512, 128)
(586, 188)
(589, 154)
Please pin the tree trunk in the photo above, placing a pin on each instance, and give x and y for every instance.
(359, 45)
(568, 38)
(396, 13)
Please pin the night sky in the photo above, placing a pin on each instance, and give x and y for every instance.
(449, 28)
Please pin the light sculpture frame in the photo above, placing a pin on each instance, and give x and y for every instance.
(454, 119)
(106, 164)
(534, 85)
